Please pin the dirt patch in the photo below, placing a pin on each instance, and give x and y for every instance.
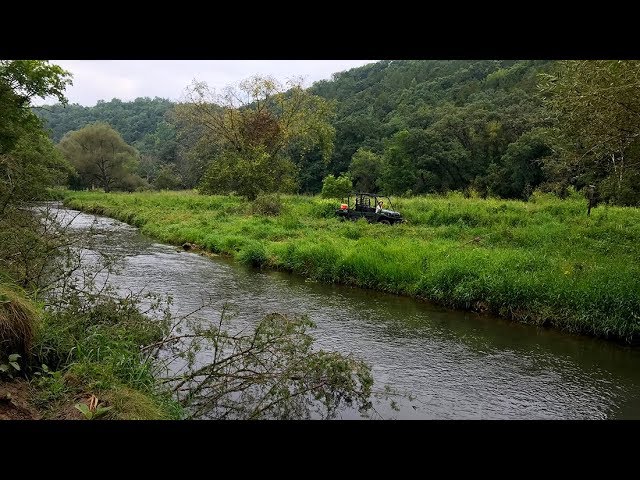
(68, 412)
(15, 401)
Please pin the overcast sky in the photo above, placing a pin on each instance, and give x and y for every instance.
(95, 80)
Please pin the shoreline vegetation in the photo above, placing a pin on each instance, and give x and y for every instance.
(542, 262)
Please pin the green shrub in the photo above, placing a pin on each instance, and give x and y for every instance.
(253, 254)
(267, 204)
(333, 187)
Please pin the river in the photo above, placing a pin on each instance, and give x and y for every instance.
(457, 365)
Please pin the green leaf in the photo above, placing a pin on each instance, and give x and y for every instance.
(84, 409)
(14, 357)
(102, 411)
(15, 365)
(4, 367)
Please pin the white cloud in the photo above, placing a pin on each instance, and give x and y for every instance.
(95, 80)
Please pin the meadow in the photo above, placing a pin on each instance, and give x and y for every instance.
(543, 261)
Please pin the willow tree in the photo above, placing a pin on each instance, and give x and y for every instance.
(253, 128)
(596, 107)
(100, 155)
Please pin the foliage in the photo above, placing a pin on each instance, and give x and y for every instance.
(596, 111)
(167, 178)
(254, 126)
(10, 367)
(461, 116)
(519, 170)
(438, 124)
(20, 81)
(365, 170)
(101, 157)
(272, 372)
(542, 261)
(28, 161)
(267, 204)
(333, 187)
(248, 173)
(141, 122)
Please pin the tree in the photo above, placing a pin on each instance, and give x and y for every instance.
(519, 170)
(135, 120)
(28, 161)
(596, 108)
(167, 178)
(333, 187)
(365, 170)
(157, 149)
(249, 173)
(273, 371)
(461, 116)
(100, 155)
(254, 125)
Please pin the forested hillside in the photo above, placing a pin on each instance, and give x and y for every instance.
(133, 120)
(412, 127)
(440, 125)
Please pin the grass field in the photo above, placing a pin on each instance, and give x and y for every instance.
(543, 261)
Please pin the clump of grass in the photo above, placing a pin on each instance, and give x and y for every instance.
(267, 204)
(130, 404)
(253, 254)
(18, 316)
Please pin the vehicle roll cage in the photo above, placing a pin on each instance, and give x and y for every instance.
(363, 201)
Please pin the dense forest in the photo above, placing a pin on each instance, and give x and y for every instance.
(410, 127)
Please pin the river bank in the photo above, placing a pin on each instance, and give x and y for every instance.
(542, 262)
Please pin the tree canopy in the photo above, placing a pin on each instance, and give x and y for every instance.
(101, 157)
(497, 127)
(596, 112)
(256, 127)
(28, 160)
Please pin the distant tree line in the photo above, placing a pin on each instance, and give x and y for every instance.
(495, 128)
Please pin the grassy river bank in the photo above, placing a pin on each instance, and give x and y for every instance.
(542, 262)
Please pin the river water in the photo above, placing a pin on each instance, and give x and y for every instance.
(457, 365)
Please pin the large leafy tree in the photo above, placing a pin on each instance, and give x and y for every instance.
(519, 170)
(365, 169)
(29, 164)
(254, 127)
(100, 156)
(28, 161)
(596, 108)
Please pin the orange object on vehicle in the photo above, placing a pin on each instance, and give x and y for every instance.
(344, 206)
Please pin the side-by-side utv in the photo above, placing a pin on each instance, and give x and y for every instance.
(367, 205)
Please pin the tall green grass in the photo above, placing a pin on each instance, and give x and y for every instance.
(93, 347)
(543, 261)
